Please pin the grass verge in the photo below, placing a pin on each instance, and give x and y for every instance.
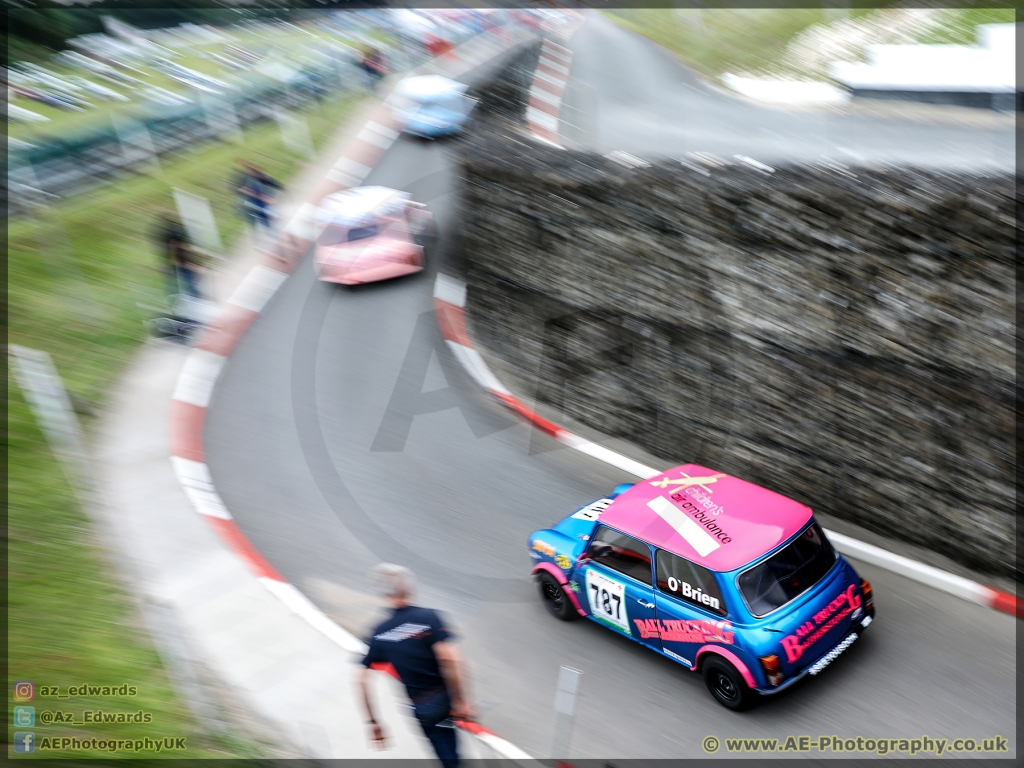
(75, 274)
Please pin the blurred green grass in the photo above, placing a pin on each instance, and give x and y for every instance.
(69, 619)
(717, 41)
(98, 117)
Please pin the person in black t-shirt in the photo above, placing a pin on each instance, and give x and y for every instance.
(416, 643)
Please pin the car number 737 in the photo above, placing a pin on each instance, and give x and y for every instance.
(607, 600)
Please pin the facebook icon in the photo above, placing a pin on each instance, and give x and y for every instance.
(24, 741)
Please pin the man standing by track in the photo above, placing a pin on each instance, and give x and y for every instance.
(415, 643)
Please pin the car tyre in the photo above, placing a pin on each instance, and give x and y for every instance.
(554, 597)
(726, 684)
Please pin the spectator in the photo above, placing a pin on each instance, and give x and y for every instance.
(181, 266)
(419, 646)
(373, 64)
(256, 191)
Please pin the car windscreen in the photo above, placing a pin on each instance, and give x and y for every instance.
(362, 233)
(788, 573)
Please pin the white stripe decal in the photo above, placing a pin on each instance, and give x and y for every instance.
(475, 366)
(607, 455)
(194, 478)
(543, 119)
(450, 289)
(692, 533)
(300, 604)
(197, 377)
(257, 288)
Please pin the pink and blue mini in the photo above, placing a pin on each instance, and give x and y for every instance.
(730, 579)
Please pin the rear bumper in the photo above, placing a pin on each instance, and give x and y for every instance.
(857, 630)
(371, 275)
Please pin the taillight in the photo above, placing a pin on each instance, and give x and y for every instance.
(772, 668)
(869, 598)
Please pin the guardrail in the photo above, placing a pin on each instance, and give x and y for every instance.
(60, 167)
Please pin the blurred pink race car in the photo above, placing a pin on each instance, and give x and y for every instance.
(369, 234)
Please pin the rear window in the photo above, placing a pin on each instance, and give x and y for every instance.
(361, 233)
(788, 573)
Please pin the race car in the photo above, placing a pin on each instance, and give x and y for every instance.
(369, 234)
(431, 106)
(723, 576)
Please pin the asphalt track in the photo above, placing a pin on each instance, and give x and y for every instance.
(342, 433)
(626, 93)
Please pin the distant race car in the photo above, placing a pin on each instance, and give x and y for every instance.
(369, 234)
(431, 106)
(721, 575)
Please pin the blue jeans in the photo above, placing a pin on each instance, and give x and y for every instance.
(433, 716)
(187, 281)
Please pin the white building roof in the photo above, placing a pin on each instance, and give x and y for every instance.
(987, 67)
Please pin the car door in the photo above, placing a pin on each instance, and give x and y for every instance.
(691, 611)
(617, 581)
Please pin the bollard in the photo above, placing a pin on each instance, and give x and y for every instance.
(565, 709)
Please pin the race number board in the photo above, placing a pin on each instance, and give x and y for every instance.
(607, 600)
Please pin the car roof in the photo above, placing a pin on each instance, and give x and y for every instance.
(750, 521)
(357, 206)
(426, 87)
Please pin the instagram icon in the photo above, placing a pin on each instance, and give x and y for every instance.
(24, 690)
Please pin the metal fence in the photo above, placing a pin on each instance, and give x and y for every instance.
(64, 166)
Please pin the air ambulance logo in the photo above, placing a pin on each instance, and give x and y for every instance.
(677, 484)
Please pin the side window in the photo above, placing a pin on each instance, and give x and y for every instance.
(621, 553)
(689, 582)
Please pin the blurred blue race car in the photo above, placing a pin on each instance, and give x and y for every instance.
(431, 106)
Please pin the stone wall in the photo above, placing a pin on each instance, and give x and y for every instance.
(842, 336)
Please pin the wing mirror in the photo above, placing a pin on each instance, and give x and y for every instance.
(620, 489)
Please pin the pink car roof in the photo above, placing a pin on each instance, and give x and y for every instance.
(710, 518)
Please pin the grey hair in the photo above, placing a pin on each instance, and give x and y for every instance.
(394, 580)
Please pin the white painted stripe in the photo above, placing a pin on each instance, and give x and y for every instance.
(543, 119)
(507, 749)
(554, 49)
(559, 81)
(692, 533)
(195, 480)
(301, 224)
(475, 366)
(383, 130)
(257, 288)
(341, 177)
(554, 65)
(912, 569)
(607, 455)
(300, 604)
(197, 377)
(376, 139)
(450, 289)
(543, 95)
(351, 167)
(554, 144)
